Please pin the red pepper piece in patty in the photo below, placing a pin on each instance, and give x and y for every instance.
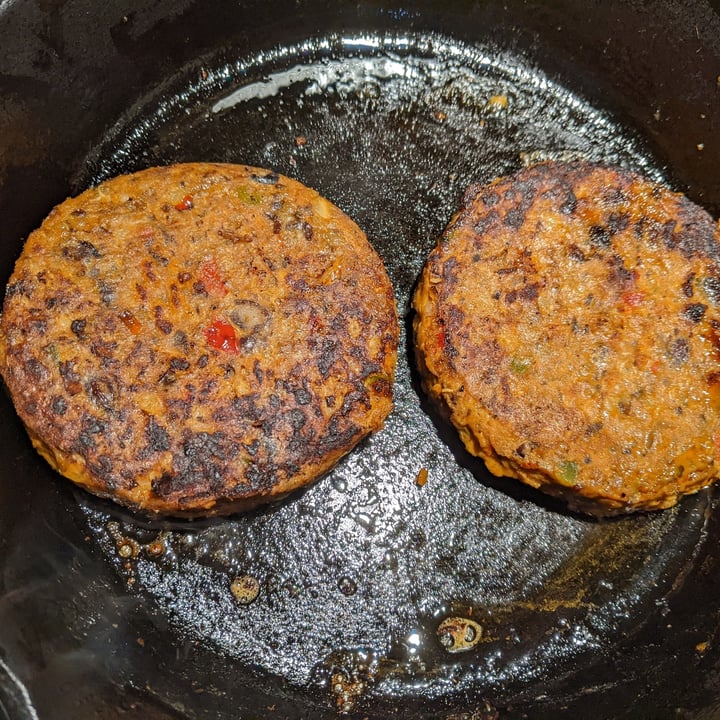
(185, 204)
(130, 322)
(221, 335)
(633, 298)
(212, 279)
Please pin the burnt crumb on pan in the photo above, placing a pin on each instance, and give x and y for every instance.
(567, 322)
(197, 379)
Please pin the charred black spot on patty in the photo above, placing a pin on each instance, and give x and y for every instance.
(80, 250)
(694, 312)
(711, 287)
(156, 436)
(600, 237)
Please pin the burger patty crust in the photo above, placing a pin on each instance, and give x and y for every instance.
(568, 323)
(199, 338)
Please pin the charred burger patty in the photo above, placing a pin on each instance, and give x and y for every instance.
(199, 338)
(568, 323)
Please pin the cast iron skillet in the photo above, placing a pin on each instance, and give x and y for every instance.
(389, 110)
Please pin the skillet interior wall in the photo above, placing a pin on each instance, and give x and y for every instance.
(68, 70)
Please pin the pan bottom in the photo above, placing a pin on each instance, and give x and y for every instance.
(408, 572)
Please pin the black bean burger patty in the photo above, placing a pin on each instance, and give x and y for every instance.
(568, 323)
(199, 338)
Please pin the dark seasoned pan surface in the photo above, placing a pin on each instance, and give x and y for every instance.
(409, 582)
(354, 586)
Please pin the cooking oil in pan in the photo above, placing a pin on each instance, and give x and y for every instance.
(409, 572)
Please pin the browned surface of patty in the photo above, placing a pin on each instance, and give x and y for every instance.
(199, 338)
(568, 323)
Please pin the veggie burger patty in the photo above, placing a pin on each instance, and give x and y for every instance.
(568, 323)
(199, 338)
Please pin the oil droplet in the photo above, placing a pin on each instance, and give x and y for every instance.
(127, 548)
(346, 691)
(497, 102)
(245, 588)
(366, 521)
(340, 484)
(156, 548)
(458, 634)
(347, 586)
(390, 560)
(413, 642)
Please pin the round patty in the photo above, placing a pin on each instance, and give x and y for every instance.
(199, 338)
(568, 323)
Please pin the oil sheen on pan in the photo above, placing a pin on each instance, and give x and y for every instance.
(410, 578)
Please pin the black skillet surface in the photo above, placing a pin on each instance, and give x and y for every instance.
(389, 110)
